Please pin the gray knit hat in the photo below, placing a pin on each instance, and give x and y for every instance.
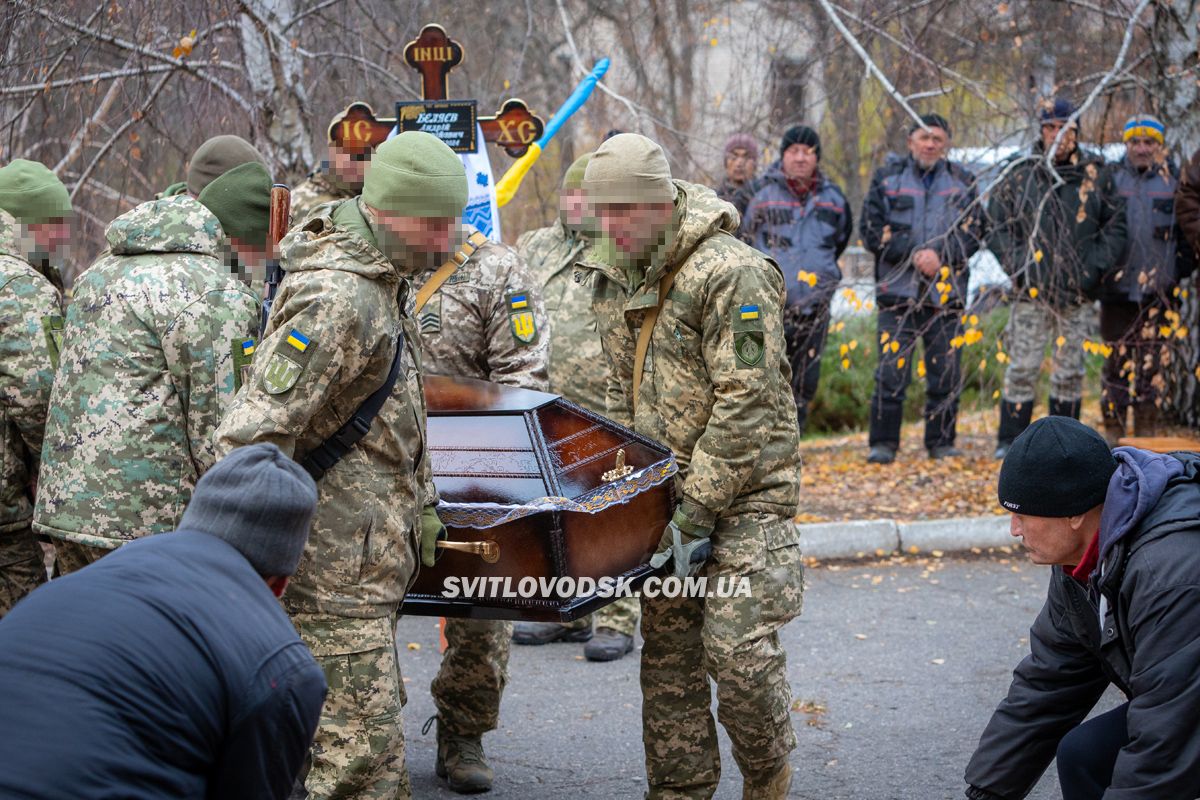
(261, 502)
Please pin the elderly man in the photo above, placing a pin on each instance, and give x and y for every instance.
(168, 669)
(741, 165)
(922, 222)
(1121, 532)
(1139, 292)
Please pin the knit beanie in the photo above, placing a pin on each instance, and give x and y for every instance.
(416, 174)
(742, 141)
(261, 502)
(241, 200)
(932, 121)
(629, 168)
(32, 193)
(1144, 125)
(573, 179)
(1058, 111)
(1058, 467)
(216, 157)
(801, 134)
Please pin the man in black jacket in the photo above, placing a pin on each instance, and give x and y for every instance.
(1122, 531)
(168, 669)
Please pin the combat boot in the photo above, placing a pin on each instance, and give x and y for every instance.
(776, 789)
(1014, 418)
(608, 645)
(461, 762)
(538, 633)
(1145, 419)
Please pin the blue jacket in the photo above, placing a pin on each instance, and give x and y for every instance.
(806, 235)
(165, 670)
(908, 210)
(1156, 255)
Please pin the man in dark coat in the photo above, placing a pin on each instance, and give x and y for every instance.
(741, 166)
(1122, 533)
(168, 668)
(802, 220)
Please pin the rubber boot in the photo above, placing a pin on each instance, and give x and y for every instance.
(1065, 408)
(1145, 419)
(1014, 418)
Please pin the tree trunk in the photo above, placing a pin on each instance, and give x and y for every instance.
(275, 72)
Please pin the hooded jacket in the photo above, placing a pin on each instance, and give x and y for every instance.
(1136, 624)
(1080, 227)
(806, 237)
(147, 367)
(30, 321)
(341, 312)
(716, 381)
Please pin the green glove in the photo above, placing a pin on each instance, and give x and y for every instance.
(685, 544)
(432, 530)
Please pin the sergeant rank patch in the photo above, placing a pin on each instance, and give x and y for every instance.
(524, 326)
(287, 362)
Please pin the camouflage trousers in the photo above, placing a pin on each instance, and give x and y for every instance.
(358, 751)
(621, 616)
(22, 566)
(72, 556)
(1032, 326)
(470, 682)
(734, 641)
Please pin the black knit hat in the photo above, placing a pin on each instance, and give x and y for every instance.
(1058, 467)
(801, 134)
(933, 121)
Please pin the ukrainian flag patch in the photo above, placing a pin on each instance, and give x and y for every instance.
(518, 301)
(749, 312)
(248, 347)
(298, 340)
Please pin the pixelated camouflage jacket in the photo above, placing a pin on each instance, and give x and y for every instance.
(146, 369)
(318, 188)
(329, 344)
(577, 367)
(30, 319)
(716, 380)
(486, 321)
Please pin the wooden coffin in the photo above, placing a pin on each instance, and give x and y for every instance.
(533, 482)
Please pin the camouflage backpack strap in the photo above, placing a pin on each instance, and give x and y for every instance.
(475, 241)
(647, 329)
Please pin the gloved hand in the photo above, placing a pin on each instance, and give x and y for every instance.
(432, 530)
(684, 543)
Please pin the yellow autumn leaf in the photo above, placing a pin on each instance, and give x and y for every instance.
(996, 394)
(945, 271)
(982, 364)
(843, 350)
(900, 363)
(812, 279)
(1037, 256)
(974, 319)
(945, 298)
(894, 346)
(1002, 358)
(1033, 292)
(884, 337)
(854, 344)
(841, 326)
(921, 368)
(1164, 331)
(1060, 341)
(956, 342)
(1180, 333)
(845, 363)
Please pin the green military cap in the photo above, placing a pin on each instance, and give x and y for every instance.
(416, 175)
(32, 193)
(629, 168)
(241, 200)
(217, 156)
(573, 179)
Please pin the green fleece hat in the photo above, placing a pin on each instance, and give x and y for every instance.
(32, 193)
(241, 200)
(629, 168)
(574, 178)
(416, 175)
(217, 156)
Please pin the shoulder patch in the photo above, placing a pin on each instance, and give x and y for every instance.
(430, 318)
(242, 351)
(520, 316)
(749, 335)
(52, 327)
(288, 362)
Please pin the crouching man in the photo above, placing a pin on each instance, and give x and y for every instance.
(1122, 533)
(168, 668)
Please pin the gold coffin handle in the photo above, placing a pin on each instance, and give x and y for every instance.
(488, 550)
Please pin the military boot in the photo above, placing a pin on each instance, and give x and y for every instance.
(461, 762)
(776, 789)
(1145, 419)
(1014, 418)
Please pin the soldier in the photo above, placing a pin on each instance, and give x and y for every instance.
(691, 323)
(156, 333)
(212, 159)
(33, 207)
(577, 372)
(1055, 239)
(341, 336)
(1139, 293)
(338, 178)
(921, 222)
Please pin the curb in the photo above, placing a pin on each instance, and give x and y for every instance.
(865, 538)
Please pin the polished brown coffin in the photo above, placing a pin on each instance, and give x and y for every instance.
(540, 488)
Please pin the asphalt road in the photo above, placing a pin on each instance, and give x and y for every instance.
(895, 669)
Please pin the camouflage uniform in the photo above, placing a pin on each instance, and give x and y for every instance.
(329, 344)
(716, 390)
(30, 313)
(319, 187)
(152, 336)
(577, 366)
(469, 329)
